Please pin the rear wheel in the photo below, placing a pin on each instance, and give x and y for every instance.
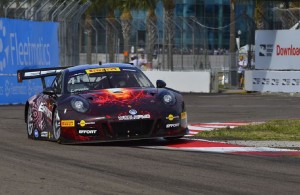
(56, 126)
(30, 123)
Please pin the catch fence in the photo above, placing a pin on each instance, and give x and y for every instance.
(84, 39)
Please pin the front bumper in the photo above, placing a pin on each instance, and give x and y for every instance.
(103, 129)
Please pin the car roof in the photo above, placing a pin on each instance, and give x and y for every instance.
(89, 66)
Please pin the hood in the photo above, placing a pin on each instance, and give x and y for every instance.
(120, 95)
(116, 103)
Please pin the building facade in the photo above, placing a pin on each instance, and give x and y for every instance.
(213, 20)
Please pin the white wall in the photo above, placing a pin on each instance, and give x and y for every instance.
(182, 81)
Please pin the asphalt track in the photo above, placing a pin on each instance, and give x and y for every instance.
(36, 167)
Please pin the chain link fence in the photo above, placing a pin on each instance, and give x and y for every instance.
(190, 50)
(93, 39)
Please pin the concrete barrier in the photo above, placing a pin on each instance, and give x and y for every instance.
(272, 81)
(198, 82)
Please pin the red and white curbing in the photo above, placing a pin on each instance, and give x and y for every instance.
(199, 127)
(222, 147)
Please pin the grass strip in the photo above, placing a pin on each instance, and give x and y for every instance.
(280, 130)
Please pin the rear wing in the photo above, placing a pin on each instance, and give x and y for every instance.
(26, 74)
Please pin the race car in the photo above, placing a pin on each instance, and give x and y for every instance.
(100, 103)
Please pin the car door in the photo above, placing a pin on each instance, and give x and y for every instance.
(49, 101)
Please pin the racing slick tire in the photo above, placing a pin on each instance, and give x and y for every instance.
(56, 126)
(29, 122)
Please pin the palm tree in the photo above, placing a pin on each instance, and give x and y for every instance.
(232, 27)
(125, 7)
(260, 8)
(110, 6)
(88, 26)
(232, 41)
(169, 6)
(3, 5)
(151, 21)
(289, 13)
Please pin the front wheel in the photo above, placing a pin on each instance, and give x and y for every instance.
(56, 126)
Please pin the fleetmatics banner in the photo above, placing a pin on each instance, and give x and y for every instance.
(25, 45)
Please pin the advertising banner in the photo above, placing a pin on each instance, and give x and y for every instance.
(272, 81)
(277, 49)
(25, 45)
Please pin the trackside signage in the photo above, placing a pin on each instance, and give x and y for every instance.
(277, 49)
(272, 81)
(25, 45)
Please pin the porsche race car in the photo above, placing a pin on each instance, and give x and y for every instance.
(98, 103)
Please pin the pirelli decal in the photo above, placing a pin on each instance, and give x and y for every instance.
(97, 70)
(67, 123)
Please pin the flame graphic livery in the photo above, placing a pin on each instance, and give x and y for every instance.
(111, 96)
(37, 116)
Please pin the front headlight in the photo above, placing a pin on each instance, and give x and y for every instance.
(168, 98)
(80, 104)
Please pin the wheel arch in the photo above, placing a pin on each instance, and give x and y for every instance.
(26, 111)
(53, 110)
(55, 107)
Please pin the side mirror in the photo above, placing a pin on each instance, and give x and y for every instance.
(161, 84)
(49, 91)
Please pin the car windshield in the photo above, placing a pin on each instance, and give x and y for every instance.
(95, 80)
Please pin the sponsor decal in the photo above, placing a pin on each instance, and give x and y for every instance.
(78, 90)
(8, 87)
(262, 50)
(256, 81)
(172, 125)
(295, 81)
(97, 70)
(87, 131)
(265, 81)
(44, 109)
(67, 123)
(265, 49)
(275, 82)
(44, 134)
(134, 117)
(50, 135)
(171, 117)
(183, 115)
(132, 112)
(286, 81)
(21, 49)
(4, 50)
(83, 123)
(287, 51)
(36, 133)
